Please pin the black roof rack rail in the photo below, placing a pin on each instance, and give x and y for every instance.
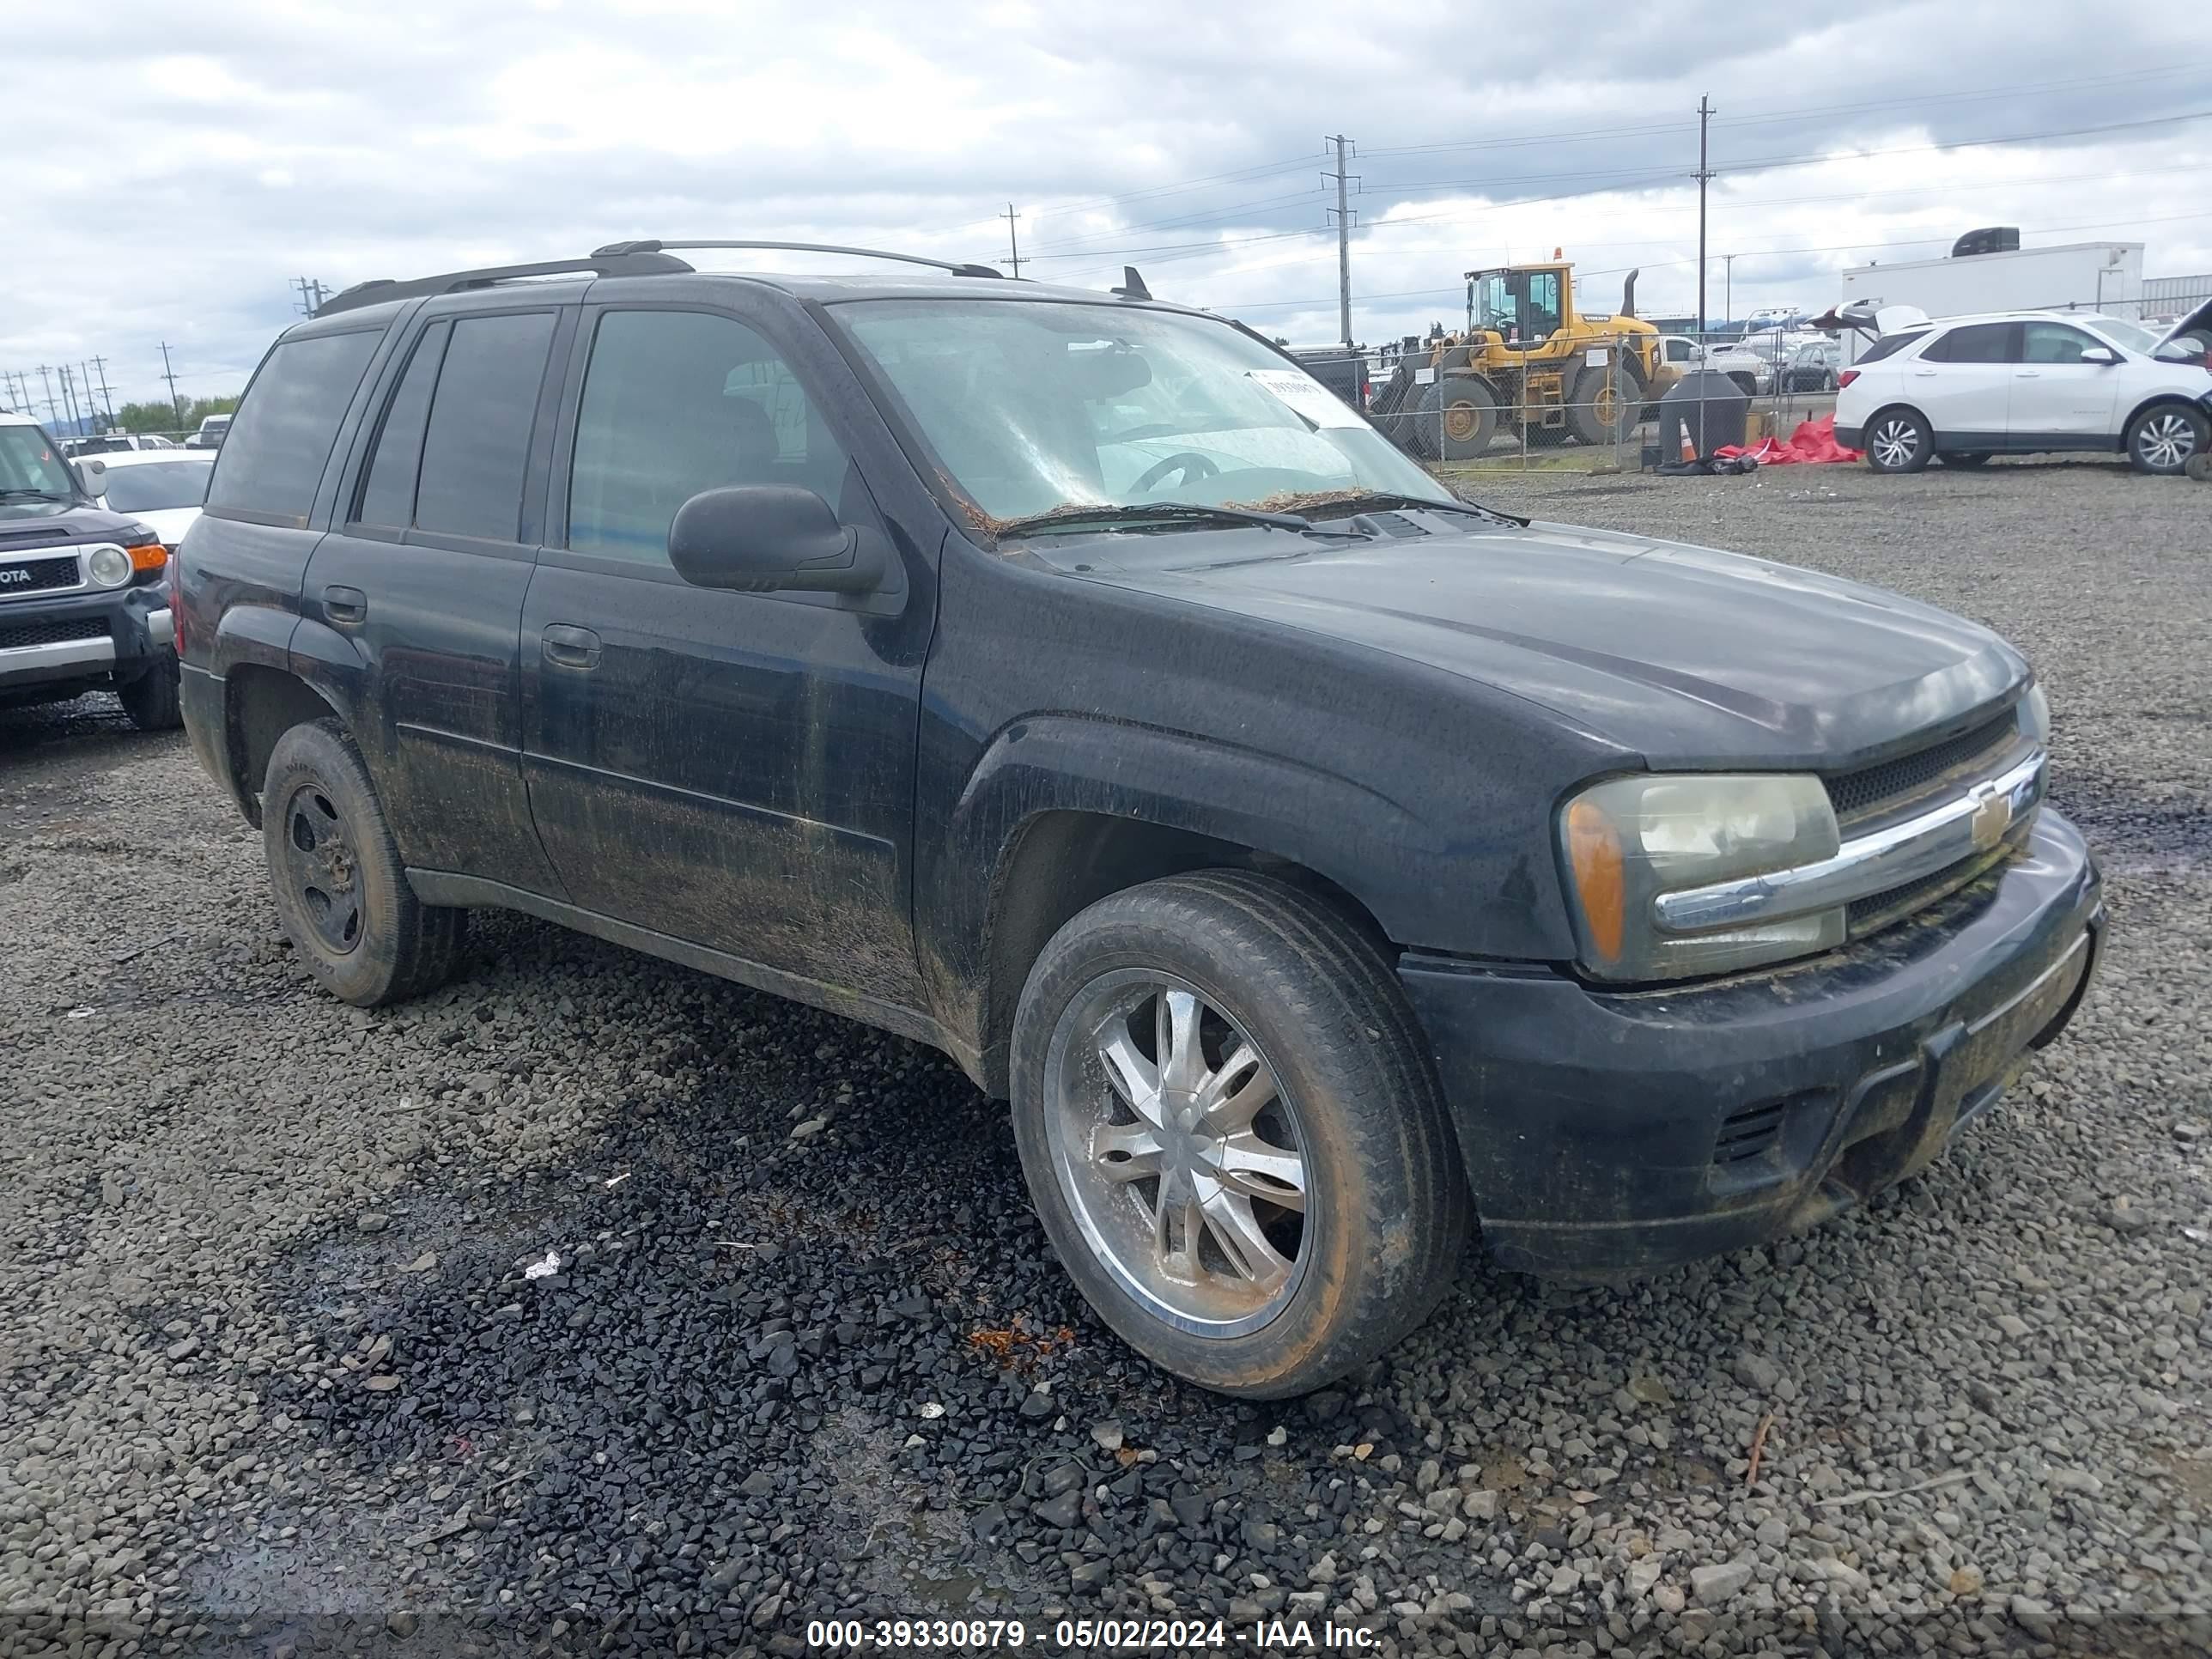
(613, 249)
(646, 261)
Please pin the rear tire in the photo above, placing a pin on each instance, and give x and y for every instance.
(335, 871)
(155, 701)
(1342, 1115)
(1605, 403)
(2165, 438)
(1899, 440)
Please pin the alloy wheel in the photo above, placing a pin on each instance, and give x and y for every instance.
(1179, 1154)
(321, 868)
(1894, 443)
(2167, 440)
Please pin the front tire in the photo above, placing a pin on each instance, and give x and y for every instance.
(1233, 1134)
(1605, 400)
(1900, 440)
(2165, 438)
(155, 701)
(335, 871)
(1467, 420)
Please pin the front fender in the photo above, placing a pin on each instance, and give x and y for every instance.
(1334, 825)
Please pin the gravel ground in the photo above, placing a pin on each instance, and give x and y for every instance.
(274, 1373)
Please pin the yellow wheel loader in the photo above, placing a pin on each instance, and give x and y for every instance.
(1530, 365)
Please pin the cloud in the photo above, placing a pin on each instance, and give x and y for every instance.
(173, 169)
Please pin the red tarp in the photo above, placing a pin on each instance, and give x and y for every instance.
(1814, 441)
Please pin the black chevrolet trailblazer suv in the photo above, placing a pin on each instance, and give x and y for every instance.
(1321, 866)
(83, 604)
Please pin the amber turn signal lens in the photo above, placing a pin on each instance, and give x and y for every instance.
(149, 555)
(1593, 850)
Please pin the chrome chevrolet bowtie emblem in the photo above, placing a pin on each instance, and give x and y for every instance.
(1992, 816)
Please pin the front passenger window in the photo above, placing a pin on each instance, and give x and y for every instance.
(2055, 343)
(678, 402)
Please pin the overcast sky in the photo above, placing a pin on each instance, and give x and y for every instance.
(172, 166)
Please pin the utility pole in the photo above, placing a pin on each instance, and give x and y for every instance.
(52, 413)
(1013, 242)
(69, 394)
(172, 379)
(1728, 286)
(1705, 116)
(312, 294)
(105, 396)
(1343, 243)
(84, 372)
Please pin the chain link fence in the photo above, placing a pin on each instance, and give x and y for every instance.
(1596, 402)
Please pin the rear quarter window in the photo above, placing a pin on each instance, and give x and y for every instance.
(280, 439)
(1889, 345)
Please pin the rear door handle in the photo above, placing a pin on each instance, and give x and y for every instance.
(566, 646)
(345, 605)
(2031, 374)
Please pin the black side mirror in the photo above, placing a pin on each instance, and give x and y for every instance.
(759, 537)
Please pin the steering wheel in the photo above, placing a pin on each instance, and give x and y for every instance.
(1192, 465)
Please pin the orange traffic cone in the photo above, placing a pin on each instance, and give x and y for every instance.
(1689, 449)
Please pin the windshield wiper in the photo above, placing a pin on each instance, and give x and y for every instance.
(18, 493)
(1171, 511)
(1389, 501)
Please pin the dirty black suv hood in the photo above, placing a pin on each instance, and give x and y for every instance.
(43, 523)
(1689, 656)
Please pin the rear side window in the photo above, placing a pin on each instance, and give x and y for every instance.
(477, 446)
(1976, 343)
(388, 497)
(1889, 345)
(280, 437)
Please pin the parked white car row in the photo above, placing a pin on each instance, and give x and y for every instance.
(162, 488)
(2030, 382)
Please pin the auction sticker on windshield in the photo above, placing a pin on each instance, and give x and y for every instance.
(1305, 396)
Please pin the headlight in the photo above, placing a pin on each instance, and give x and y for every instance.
(1624, 841)
(109, 566)
(2035, 716)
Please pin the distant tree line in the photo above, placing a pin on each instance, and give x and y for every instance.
(159, 417)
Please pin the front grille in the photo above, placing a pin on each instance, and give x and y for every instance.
(38, 575)
(1878, 910)
(52, 633)
(1876, 791)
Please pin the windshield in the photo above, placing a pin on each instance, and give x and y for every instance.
(155, 485)
(29, 465)
(2133, 336)
(1035, 407)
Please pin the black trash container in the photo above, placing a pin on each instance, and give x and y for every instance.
(1710, 405)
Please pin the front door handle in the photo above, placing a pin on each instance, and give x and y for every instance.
(566, 646)
(2031, 374)
(1923, 374)
(345, 605)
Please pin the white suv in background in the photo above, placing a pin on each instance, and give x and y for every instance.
(2026, 382)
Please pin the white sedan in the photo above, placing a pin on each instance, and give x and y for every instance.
(2032, 382)
(162, 488)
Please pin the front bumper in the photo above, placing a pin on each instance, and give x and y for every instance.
(1607, 1134)
(85, 635)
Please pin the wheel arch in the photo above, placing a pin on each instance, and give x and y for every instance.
(260, 704)
(2159, 399)
(1061, 811)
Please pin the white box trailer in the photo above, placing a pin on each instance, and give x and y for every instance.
(2089, 275)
